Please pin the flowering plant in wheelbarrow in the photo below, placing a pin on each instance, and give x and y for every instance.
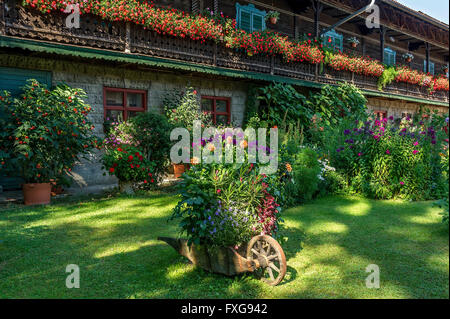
(230, 216)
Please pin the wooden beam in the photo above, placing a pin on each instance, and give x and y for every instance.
(427, 50)
(382, 40)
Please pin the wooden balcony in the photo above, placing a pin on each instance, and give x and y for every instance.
(134, 40)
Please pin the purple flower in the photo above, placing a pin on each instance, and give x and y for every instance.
(347, 132)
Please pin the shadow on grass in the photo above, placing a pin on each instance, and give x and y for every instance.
(396, 236)
(114, 243)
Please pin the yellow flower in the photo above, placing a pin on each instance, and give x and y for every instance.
(288, 167)
(210, 147)
(244, 144)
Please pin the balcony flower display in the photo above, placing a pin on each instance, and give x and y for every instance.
(358, 65)
(441, 83)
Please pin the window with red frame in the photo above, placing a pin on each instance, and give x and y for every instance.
(380, 115)
(122, 104)
(218, 107)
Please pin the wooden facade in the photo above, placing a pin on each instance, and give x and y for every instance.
(401, 31)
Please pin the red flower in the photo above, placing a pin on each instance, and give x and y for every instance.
(111, 170)
(130, 158)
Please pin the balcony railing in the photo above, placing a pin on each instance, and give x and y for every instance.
(118, 36)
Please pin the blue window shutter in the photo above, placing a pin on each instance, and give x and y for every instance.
(389, 56)
(337, 40)
(431, 67)
(246, 21)
(258, 23)
(250, 19)
(13, 80)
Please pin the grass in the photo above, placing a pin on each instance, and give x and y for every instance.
(330, 243)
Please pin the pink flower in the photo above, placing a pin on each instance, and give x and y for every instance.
(402, 183)
(416, 143)
(359, 154)
(415, 152)
(388, 152)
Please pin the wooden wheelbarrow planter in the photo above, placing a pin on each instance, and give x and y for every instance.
(263, 254)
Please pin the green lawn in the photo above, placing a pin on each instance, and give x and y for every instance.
(113, 240)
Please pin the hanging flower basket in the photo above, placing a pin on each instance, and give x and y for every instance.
(353, 42)
(273, 16)
(408, 57)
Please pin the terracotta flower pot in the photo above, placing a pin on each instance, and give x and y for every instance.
(408, 60)
(178, 170)
(445, 70)
(273, 20)
(353, 44)
(37, 194)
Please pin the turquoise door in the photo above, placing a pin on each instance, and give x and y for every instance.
(13, 80)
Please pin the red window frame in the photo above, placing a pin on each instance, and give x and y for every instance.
(380, 115)
(214, 113)
(124, 108)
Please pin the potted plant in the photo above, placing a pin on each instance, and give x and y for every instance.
(445, 69)
(408, 57)
(273, 16)
(182, 109)
(46, 131)
(353, 42)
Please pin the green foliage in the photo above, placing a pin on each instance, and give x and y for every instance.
(385, 161)
(215, 201)
(305, 176)
(335, 102)
(444, 204)
(151, 131)
(128, 164)
(387, 77)
(44, 132)
(183, 108)
(281, 104)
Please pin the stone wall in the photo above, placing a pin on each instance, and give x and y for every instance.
(88, 175)
(398, 108)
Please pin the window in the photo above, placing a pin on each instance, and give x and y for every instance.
(431, 67)
(333, 40)
(218, 107)
(389, 56)
(250, 19)
(122, 104)
(380, 115)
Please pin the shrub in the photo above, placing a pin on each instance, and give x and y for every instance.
(333, 103)
(128, 164)
(282, 105)
(304, 183)
(183, 108)
(384, 161)
(45, 132)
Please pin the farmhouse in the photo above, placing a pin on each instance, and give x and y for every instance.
(126, 66)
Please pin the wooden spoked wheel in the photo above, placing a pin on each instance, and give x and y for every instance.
(268, 258)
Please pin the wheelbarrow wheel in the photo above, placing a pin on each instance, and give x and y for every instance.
(268, 258)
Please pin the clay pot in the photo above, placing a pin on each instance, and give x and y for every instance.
(445, 70)
(273, 20)
(36, 194)
(178, 170)
(354, 44)
(408, 60)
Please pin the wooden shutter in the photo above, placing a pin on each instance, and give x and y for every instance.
(389, 56)
(431, 67)
(258, 22)
(13, 80)
(245, 21)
